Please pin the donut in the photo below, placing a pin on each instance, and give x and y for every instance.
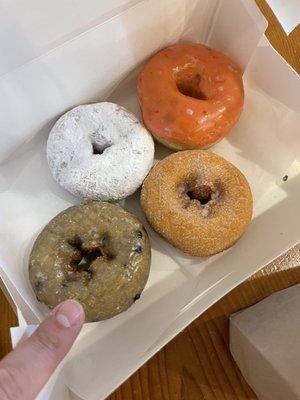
(100, 151)
(190, 95)
(197, 201)
(95, 253)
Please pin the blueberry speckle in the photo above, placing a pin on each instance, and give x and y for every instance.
(64, 285)
(139, 234)
(136, 297)
(125, 265)
(38, 285)
(38, 299)
(285, 178)
(138, 249)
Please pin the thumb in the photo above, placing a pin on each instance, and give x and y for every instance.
(25, 370)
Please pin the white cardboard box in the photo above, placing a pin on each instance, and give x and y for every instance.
(265, 343)
(75, 55)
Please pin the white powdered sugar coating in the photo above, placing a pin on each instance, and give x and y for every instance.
(127, 151)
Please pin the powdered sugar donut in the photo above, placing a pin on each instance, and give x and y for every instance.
(100, 151)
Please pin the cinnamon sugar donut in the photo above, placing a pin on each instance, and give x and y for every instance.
(197, 201)
(191, 96)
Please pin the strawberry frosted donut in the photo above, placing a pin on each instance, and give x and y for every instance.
(191, 96)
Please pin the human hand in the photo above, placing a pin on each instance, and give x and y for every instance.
(25, 370)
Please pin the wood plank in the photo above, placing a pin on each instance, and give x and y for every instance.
(287, 46)
(7, 319)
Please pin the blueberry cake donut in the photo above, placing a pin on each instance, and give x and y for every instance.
(96, 253)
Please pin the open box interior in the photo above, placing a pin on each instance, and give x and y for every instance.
(101, 59)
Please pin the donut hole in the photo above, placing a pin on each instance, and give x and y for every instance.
(99, 149)
(84, 257)
(87, 259)
(202, 193)
(189, 85)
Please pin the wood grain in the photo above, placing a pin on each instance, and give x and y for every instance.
(287, 46)
(7, 319)
(197, 364)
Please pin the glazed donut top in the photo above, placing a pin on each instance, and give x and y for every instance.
(96, 253)
(190, 95)
(100, 151)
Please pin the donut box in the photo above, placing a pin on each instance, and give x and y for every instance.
(95, 53)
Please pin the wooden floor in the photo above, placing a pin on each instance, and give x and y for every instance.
(197, 364)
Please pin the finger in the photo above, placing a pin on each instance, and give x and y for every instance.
(24, 371)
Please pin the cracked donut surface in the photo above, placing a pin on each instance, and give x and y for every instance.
(96, 253)
(197, 201)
